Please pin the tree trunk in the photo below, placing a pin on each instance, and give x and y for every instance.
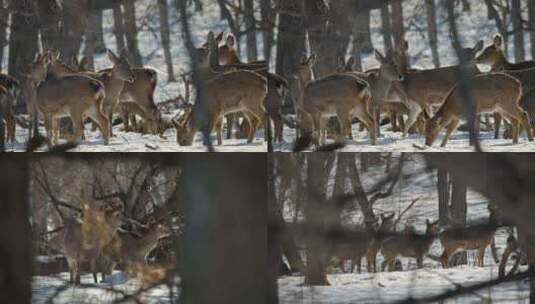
(315, 237)
(360, 196)
(118, 28)
(516, 16)
(4, 15)
(458, 215)
(23, 37)
(432, 31)
(275, 227)
(100, 46)
(50, 18)
(386, 25)
(225, 233)
(443, 187)
(15, 239)
(268, 22)
(75, 16)
(131, 34)
(397, 22)
(531, 25)
(250, 28)
(166, 38)
(91, 37)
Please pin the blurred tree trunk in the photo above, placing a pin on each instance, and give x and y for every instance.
(360, 194)
(131, 34)
(458, 215)
(386, 27)
(118, 28)
(397, 22)
(23, 37)
(50, 19)
(15, 232)
(91, 38)
(100, 45)
(443, 187)
(75, 17)
(531, 25)
(4, 16)
(166, 38)
(361, 44)
(226, 256)
(516, 16)
(268, 22)
(275, 230)
(315, 229)
(250, 28)
(432, 30)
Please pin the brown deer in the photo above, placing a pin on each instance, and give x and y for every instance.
(387, 226)
(495, 92)
(75, 96)
(494, 56)
(277, 85)
(225, 93)
(127, 249)
(427, 88)
(339, 95)
(84, 242)
(380, 82)
(408, 245)
(470, 238)
(114, 80)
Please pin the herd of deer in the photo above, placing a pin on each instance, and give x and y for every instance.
(507, 90)
(354, 245)
(97, 240)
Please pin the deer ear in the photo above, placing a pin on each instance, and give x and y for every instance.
(311, 60)
(350, 63)
(479, 46)
(231, 40)
(379, 56)
(498, 41)
(113, 58)
(219, 37)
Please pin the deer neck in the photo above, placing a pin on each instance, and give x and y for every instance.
(501, 63)
(148, 241)
(379, 85)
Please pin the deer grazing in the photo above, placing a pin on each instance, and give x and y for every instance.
(495, 92)
(470, 238)
(74, 96)
(225, 93)
(408, 245)
(128, 250)
(339, 95)
(84, 242)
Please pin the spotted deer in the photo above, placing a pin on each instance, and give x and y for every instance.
(84, 242)
(225, 93)
(495, 92)
(408, 245)
(470, 238)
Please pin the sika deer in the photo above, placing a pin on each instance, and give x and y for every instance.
(339, 95)
(469, 238)
(85, 241)
(230, 92)
(409, 245)
(491, 92)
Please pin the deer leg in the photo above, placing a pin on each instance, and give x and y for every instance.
(10, 126)
(343, 120)
(279, 129)
(451, 127)
(101, 121)
(219, 131)
(497, 124)
(48, 129)
(481, 256)
(230, 124)
(368, 121)
(420, 261)
(414, 111)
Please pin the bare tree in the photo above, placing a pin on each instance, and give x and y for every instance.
(131, 32)
(166, 38)
(118, 28)
(432, 30)
(4, 16)
(23, 36)
(250, 28)
(516, 16)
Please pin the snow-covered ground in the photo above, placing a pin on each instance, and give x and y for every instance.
(386, 287)
(395, 142)
(47, 287)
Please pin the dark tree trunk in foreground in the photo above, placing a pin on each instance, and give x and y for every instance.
(75, 17)
(91, 40)
(397, 22)
(100, 46)
(225, 205)
(15, 233)
(268, 24)
(518, 36)
(250, 28)
(23, 37)
(458, 215)
(50, 18)
(4, 14)
(118, 28)
(443, 187)
(386, 27)
(531, 25)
